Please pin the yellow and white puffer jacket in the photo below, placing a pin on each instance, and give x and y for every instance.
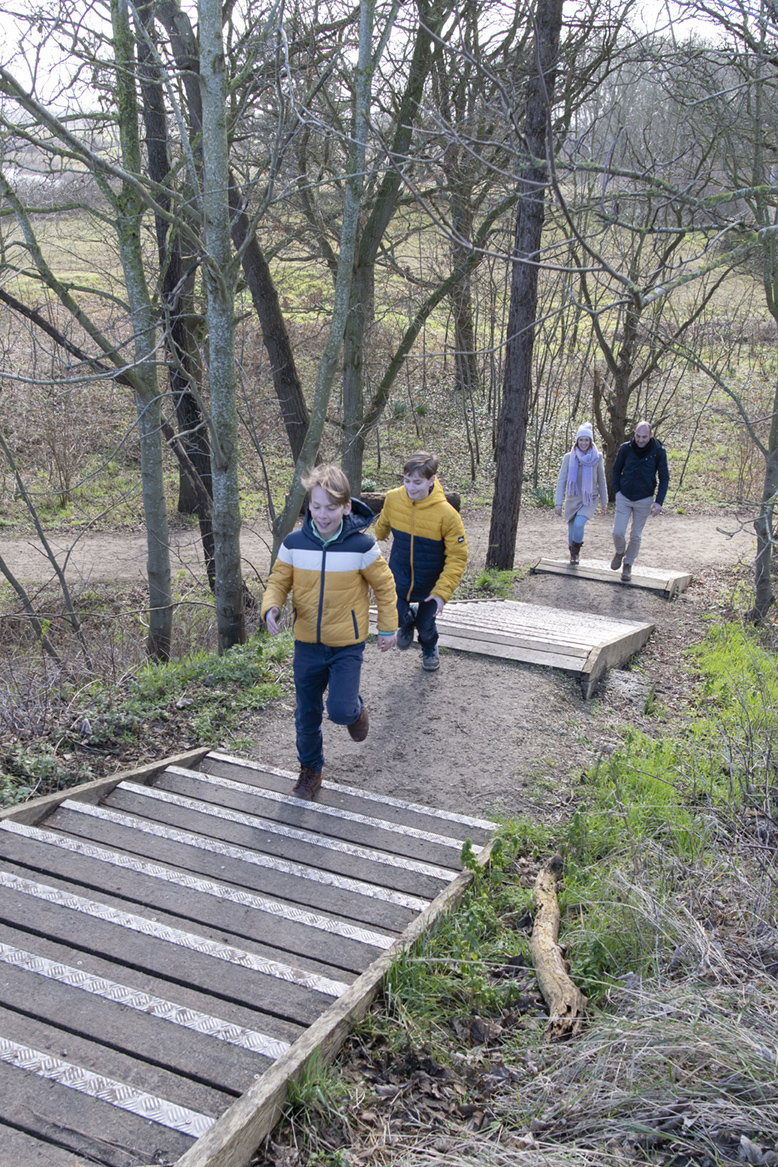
(330, 583)
(429, 548)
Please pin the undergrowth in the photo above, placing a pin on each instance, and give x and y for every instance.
(669, 919)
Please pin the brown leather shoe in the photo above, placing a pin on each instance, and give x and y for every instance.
(307, 784)
(358, 729)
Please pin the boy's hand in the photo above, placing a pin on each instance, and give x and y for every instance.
(271, 619)
(440, 603)
(386, 641)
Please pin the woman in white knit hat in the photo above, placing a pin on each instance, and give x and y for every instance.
(581, 486)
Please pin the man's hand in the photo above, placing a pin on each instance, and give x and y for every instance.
(656, 508)
(386, 640)
(605, 508)
(441, 603)
(271, 619)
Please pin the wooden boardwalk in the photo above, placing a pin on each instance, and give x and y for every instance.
(656, 579)
(176, 942)
(582, 643)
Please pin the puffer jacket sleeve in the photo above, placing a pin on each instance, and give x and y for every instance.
(559, 497)
(280, 583)
(383, 527)
(456, 555)
(381, 581)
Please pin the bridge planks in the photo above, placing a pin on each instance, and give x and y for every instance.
(175, 944)
(656, 579)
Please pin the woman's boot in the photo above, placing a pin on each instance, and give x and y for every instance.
(575, 553)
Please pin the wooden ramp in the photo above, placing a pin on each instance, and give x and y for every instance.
(578, 642)
(176, 942)
(656, 579)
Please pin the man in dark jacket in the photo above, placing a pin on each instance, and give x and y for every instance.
(639, 465)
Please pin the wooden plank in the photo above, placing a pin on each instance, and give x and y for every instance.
(187, 957)
(64, 995)
(37, 809)
(202, 855)
(56, 1114)
(314, 817)
(65, 1041)
(234, 1138)
(612, 653)
(667, 582)
(506, 651)
(194, 902)
(300, 846)
(18, 1149)
(395, 810)
(232, 1014)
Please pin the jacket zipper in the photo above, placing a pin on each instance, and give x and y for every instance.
(321, 594)
(413, 528)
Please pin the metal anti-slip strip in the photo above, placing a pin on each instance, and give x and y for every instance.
(204, 886)
(177, 1118)
(352, 792)
(146, 927)
(272, 862)
(204, 1023)
(319, 809)
(286, 832)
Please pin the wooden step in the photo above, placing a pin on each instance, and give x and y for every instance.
(172, 951)
(656, 579)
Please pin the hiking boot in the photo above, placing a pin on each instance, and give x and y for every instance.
(405, 637)
(358, 729)
(307, 784)
(616, 561)
(626, 573)
(430, 659)
(575, 553)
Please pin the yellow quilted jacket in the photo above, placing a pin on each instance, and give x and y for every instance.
(330, 584)
(429, 548)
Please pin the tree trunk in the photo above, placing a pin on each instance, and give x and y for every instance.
(360, 318)
(130, 212)
(517, 381)
(219, 278)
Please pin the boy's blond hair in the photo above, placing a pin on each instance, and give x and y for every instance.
(421, 463)
(330, 478)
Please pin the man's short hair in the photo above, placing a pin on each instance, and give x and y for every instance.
(330, 478)
(644, 421)
(421, 463)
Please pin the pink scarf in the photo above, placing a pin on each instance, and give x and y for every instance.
(586, 461)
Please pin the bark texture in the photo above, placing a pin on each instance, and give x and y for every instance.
(566, 1003)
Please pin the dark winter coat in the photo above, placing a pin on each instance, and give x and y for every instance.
(636, 470)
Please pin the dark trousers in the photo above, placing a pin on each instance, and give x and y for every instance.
(423, 616)
(317, 666)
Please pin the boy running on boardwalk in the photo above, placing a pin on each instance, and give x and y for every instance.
(329, 565)
(429, 553)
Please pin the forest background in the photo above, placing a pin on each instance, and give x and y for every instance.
(235, 239)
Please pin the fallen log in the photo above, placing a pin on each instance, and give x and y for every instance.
(566, 1003)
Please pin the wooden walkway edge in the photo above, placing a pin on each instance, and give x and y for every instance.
(656, 579)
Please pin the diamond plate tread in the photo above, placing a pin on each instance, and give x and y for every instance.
(187, 957)
(86, 1126)
(144, 1026)
(301, 846)
(144, 885)
(353, 798)
(366, 831)
(296, 882)
(136, 979)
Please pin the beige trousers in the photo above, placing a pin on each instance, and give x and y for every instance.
(638, 510)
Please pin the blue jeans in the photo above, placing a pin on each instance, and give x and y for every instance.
(423, 616)
(317, 666)
(575, 529)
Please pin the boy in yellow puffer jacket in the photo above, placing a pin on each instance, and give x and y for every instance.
(429, 553)
(329, 565)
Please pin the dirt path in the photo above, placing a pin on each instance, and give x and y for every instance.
(481, 736)
(685, 542)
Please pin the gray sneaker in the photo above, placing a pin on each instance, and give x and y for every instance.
(405, 637)
(430, 659)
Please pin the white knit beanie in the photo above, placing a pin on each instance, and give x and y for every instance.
(585, 431)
